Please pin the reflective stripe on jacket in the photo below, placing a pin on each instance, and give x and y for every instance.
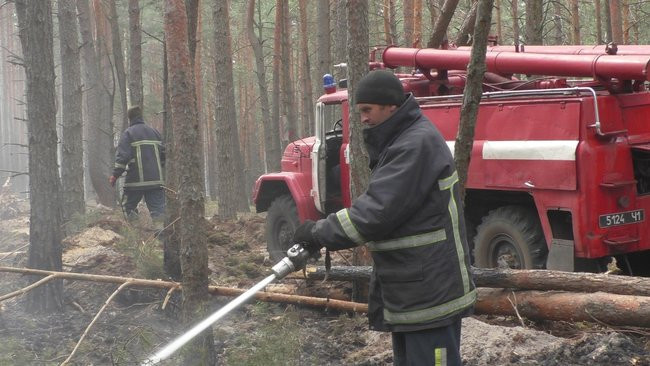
(141, 154)
(411, 219)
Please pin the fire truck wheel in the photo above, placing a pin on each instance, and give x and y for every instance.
(510, 236)
(281, 222)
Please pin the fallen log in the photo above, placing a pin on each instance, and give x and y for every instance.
(519, 279)
(609, 309)
(339, 305)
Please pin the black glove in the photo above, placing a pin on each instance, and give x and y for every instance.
(304, 237)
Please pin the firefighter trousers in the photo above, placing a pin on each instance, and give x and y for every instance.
(436, 346)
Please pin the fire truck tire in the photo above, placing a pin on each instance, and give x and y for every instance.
(510, 236)
(281, 222)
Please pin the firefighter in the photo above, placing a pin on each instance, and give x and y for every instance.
(141, 154)
(411, 219)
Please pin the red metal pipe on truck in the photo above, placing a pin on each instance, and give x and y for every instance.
(632, 67)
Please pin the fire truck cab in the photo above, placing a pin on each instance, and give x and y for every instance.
(560, 167)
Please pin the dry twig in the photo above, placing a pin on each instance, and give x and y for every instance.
(26, 289)
(74, 350)
(514, 306)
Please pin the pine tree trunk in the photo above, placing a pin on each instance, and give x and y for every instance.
(499, 23)
(599, 22)
(172, 238)
(340, 38)
(515, 22)
(407, 12)
(98, 132)
(625, 14)
(472, 93)
(417, 23)
(392, 12)
(231, 194)
(534, 22)
(463, 37)
(118, 57)
(277, 76)
(288, 97)
(357, 67)
(71, 150)
(307, 97)
(323, 44)
(135, 55)
(615, 21)
(575, 22)
(271, 136)
(45, 218)
(557, 20)
(194, 254)
(439, 35)
(388, 35)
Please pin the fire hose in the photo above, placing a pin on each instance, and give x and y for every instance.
(295, 260)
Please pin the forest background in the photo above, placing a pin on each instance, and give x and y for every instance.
(274, 83)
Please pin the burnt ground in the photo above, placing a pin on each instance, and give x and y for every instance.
(134, 325)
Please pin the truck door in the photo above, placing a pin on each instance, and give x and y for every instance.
(325, 153)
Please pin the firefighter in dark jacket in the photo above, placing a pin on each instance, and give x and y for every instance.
(141, 154)
(411, 219)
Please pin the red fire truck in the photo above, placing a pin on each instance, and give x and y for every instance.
(560, 167)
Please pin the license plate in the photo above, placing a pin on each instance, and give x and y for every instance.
(621, 218)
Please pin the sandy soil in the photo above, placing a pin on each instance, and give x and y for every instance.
(134, 325)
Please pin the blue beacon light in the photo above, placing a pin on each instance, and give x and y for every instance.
(329, 84)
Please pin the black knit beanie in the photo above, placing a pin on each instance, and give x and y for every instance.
(380, 87)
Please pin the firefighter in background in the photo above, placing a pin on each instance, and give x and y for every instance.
(411, 219)
(141, 154)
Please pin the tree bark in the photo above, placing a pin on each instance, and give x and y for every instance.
(102, 137)
(515, 21)
(288, 92)
(340, 39)
(45, 218)
(271, 136)
(472, 94)
(615, 21)
(388, 35)
(599, 22)
(463, 38)
(73, 201)
(277, 76)
(601, 307)
(417, 23)
(323, 44)
(98, 132)
(171, 239)
(193, 251)
(557, 21)
(440, 29)
(357, 68)
(625, 15)
(407, 14)
(499, 24)
(534, 22)
(118, 57)
(392, 12)
(307, 97)
(135, 55)
(232, 196)
(575, 22)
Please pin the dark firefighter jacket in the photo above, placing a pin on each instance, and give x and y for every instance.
(140, 152)
(411, 219)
